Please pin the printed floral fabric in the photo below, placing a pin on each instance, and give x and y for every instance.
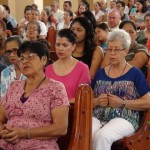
(128, 87)
(7, 76)
(35, 112)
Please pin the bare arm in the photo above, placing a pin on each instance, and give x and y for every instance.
(2, 118)
(139, 104)
(96, 61)
(58, 128)
(105, 61)
(139, 60)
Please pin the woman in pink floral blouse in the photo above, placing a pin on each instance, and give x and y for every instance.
(34, 112)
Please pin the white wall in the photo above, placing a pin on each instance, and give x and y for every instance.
(17, 7)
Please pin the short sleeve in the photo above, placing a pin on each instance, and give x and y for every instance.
(141, 83)
(59, 96)
(85, 76)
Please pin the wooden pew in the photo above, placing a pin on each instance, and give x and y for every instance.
(140, 140)
(80, 122)
(80, 127)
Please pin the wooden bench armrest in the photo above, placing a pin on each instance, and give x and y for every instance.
(141, 136)
(79, 136)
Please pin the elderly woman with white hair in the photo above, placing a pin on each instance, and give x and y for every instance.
(121, 92)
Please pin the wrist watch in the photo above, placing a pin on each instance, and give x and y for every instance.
(123, 104)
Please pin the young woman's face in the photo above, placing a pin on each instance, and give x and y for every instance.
(82, 8)
(131, 2)
(96, 7)
(44, 16)
(129, 28)
(101, 35)
(112, 4)
(35, 15)
(79, 31)
(11, 52)
(28, 15)
(64, 47)
(147, 22)
(67, 17)
(139, 6)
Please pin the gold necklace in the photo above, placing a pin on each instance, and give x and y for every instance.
(122, 70)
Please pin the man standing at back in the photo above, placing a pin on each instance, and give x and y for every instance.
(56, 12)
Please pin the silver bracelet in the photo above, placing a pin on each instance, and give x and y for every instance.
(28, 133)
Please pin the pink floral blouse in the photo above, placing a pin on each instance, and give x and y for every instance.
(35, 112)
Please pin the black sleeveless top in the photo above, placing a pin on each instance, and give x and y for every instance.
(84, 59)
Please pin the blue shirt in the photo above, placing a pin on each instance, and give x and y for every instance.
(129, 86)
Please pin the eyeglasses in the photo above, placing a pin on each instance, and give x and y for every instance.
(9, 51)
(110, 50)
(32, 29)
(28, 58)
(119, 6)
(112, 18)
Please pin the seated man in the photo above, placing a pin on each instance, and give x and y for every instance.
(113, 19)
(8, 24)
(56, 12)
(36, 17)
(121, 7)
(9, 17)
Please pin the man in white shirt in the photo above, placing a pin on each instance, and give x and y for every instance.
(68, 6)
(9, 17)
(36, 17)
(56, 12)
(113, 19)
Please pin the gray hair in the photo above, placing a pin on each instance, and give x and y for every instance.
(120, 35)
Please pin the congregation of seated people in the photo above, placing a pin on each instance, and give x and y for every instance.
(47, 55)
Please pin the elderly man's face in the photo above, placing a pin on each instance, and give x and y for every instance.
(113, 19)
(54, 7)
(103, 4)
